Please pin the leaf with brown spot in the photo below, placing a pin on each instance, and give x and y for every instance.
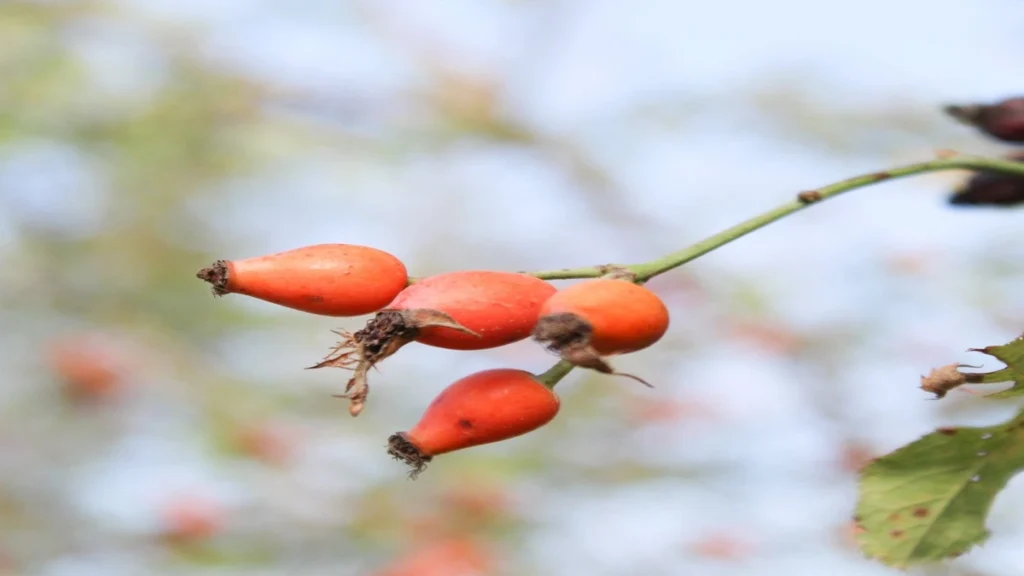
(922, 503)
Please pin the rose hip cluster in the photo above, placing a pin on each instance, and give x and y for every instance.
(1003, 121)
(584, 324)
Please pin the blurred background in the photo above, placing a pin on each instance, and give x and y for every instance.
(149, 428)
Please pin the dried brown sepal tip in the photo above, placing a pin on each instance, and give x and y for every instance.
(965, 113)
(217, 275)
(383, 335)
(1002, 120)
(401, 448)
(940, 381)
(569, 336)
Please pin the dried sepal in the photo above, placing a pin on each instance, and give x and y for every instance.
(402, 449)
(940, 381)
(569, 335)
(382, 336)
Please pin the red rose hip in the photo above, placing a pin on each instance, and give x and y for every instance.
(465, 310)
(482, 408)
(601, 317)
(324, 279)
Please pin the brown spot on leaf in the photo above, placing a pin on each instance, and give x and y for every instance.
(948, 431)
(879, 176)
(920, 512)
(896, 533)
(894, 517)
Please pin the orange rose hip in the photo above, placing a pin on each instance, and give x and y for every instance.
(495, 308)
(482, 408)
(465, 310)
(601, 317)
(324, 279)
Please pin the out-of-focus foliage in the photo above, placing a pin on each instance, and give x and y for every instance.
(147, 427)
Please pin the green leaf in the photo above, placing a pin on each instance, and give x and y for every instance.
(928, 500)
(1012, 355)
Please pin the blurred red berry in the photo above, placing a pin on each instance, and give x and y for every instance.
(721, 546)
(645, 410)
(190, 518)
(455, 557)
(89, 369)
(770, 337)
(266, 442)
(854, 456)
(909, 263)
(476, 502)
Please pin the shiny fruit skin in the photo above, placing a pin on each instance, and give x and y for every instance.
(325, 279)
(482, 408)
(625, 317)
(501, 307)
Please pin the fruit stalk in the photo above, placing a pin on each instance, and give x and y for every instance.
(647, 270)
(554, 375)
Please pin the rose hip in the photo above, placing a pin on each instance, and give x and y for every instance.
(482, 408)
(325, 279)
(466, 310)
(601, 317)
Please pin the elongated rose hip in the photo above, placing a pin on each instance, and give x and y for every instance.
(466, 310)
(482, 408)
(324, 279)
(601, 317)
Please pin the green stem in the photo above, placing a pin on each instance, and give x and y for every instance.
(569, 273)
(647, 270)
(555, 374)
